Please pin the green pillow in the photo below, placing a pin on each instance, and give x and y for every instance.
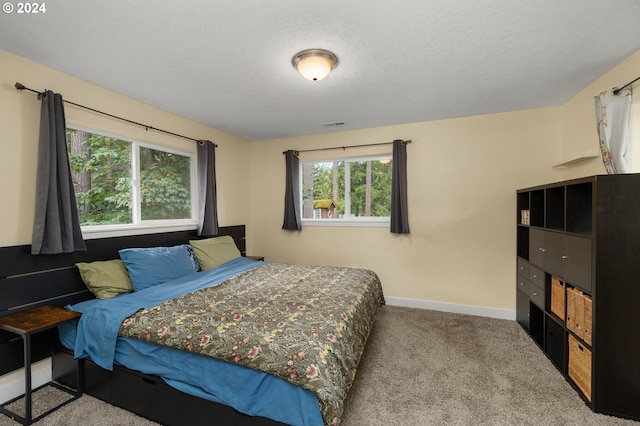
(105, 279)
(213, 252)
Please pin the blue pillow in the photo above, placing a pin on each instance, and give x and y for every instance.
(156, 265)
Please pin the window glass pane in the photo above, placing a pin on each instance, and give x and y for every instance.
(322, 190)
(344, 189)
(165, 191)
(101, 171)
(370, 188)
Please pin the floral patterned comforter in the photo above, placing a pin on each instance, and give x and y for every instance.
(306, 324)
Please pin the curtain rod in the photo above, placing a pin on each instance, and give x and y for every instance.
(21, 86)
(345, 147)
(617, 90)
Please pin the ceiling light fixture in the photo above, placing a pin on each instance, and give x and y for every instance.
(314, 64)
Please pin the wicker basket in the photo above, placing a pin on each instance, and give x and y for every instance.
(580, 366)
(579, 317)
(571, 309)
(557, 297)
(588, 322)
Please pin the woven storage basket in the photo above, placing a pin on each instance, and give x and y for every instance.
(580, 366)
(557, 297)
(588, 308)
(571, 309)
(579, 314)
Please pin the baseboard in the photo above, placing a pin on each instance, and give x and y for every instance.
(12, 384)
(453, 308)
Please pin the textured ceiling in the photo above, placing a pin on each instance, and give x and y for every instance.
(228, 63)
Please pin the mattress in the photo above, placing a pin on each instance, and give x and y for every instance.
(271, 340)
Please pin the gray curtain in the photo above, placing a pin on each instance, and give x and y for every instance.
(207, 197)
(292, 192)
(56, 227)
(399, 211)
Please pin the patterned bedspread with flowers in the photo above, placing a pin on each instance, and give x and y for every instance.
(306, 324)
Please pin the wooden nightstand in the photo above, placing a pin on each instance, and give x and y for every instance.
(258, 258)
(25, 324)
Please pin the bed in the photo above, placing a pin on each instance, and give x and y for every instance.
(272, 341)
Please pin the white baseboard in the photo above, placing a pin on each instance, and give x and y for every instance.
(480, 311)
(12, 384)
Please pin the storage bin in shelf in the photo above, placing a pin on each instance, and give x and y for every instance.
(580, 366)
(557, 297)
(579, 314)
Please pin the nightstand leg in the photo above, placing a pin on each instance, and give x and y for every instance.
(27, 378)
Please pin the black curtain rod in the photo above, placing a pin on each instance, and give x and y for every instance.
(21, 86)
(617, 90)
(345, 147)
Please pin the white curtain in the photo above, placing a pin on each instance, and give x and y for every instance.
(612, 114)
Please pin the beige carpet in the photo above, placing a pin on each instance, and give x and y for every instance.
(85, 411)
(426, 368)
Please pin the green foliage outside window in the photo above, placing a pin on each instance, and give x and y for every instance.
(164, 185)
(102, 173)
(101, 170)
(380, 187)
(370, 187)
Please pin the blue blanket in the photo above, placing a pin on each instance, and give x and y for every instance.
(249, 391)
(98, 327)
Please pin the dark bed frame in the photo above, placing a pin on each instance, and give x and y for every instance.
(28, 281)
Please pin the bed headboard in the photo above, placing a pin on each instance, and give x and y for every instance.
(28, 281)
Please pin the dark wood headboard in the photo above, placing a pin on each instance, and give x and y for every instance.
(28, 281)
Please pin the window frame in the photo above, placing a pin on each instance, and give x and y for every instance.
(352, 221)
(139, 226)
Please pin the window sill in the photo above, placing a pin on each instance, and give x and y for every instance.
(95, 232)
(364, 223)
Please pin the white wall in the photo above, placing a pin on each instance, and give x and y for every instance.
(12, 384)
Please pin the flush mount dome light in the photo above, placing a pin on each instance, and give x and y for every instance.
(314, 64)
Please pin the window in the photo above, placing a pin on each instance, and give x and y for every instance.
(122, 184)
(346, 191)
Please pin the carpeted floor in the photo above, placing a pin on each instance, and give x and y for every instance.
(423, 368)
(435, 368)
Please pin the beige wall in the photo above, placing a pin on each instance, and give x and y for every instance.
(19, 129)
(463, 174)
(462, 178)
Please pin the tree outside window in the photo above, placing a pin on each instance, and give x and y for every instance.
(106, 179)
(346, 189)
